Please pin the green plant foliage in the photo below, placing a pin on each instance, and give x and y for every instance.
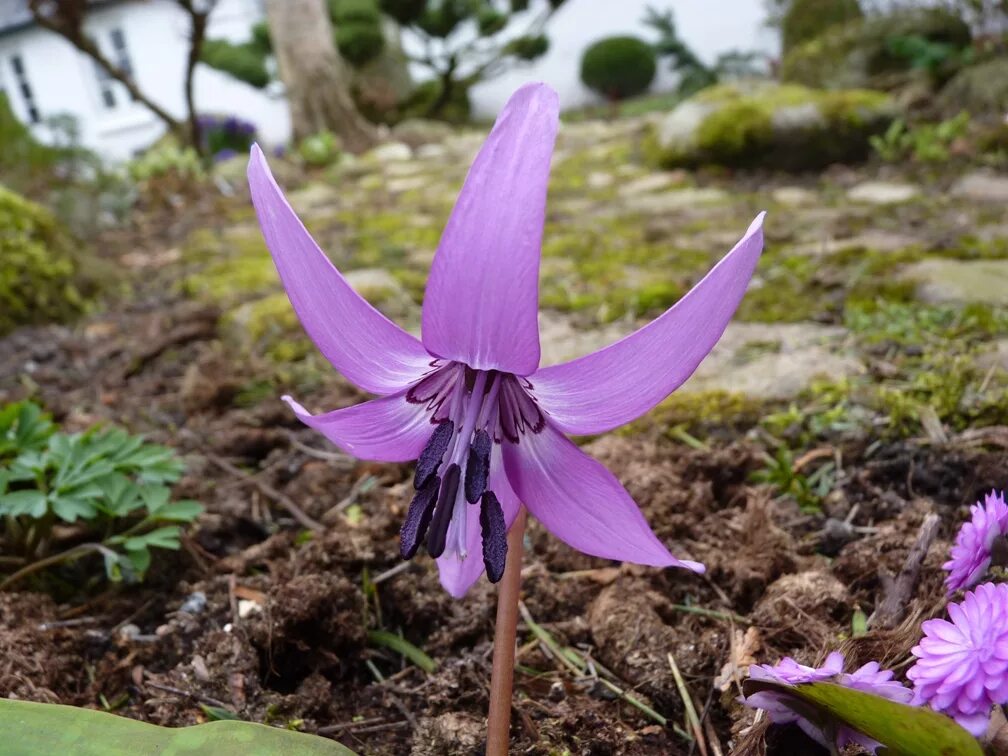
(808, 19)
(904, 730)
(618, 67)
(422, 102)
(29, 729)
(490, 21)
(808, 491)
(167, 160)
(320, 150)
(859, 53)
(112, 485)
(403, 11)
(924, 143)
(38, 269)
(528, 47)
(358, 31)
(244, 61)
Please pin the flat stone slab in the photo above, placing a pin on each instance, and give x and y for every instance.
(882, 192)
(775, 360)
(982, 187)
(761, 360)
(876, 241)
(652, 183)
(676, 200)
(794, 196)
(960, 281)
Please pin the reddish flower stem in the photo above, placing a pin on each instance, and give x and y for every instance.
(502, 677)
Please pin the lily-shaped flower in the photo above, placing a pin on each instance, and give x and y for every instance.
(469, 402)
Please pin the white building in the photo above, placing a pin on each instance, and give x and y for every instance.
(43, 75)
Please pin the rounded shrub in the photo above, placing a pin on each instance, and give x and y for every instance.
(618, 67)
(37, 267)
(359, 36)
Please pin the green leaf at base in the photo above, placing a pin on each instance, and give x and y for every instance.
(904, 730)
(29, 729)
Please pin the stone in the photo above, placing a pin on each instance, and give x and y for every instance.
(871, 240)
(314, 196)
(882, 192)
(431, 151)
(560, 340)
(761, 124)
(960, 281)
(599, 180)
(652, 183)
(390, 152)
(419, 131)
(982, 187)
(406, 184)
(374, 284)
(994, 356)
(794, 196)
(775, 360)
(677, 200)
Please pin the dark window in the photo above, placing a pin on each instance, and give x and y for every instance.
(21, 82)
(122, 55)
(105, 84)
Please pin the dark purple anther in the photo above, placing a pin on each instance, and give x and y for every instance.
(414, 527)
(431, 456)
(438, 536)
(494, 536)
(478, 467)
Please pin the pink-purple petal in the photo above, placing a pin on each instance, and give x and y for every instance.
(458, 576)
(482, 299)
(580, 502)
(388, 429)
(366, 347)
(621, 382)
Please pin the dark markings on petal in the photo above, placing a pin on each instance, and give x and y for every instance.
(519, 412)
(438, 535)
(494, 536)
(478, 467)
(431, 456)
(435, 391)
(414, 527)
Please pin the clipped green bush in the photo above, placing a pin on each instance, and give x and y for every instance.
(420, 104)
(320, 150)
(37, 265)
(245, 62)
(808, 19)
(358, 30)
(618, 67)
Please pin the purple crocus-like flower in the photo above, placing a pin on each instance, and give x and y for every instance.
(469, 402)
(962, 665)
(974, 546)
(784, 709)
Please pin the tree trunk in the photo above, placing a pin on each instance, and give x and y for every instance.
(313, 74)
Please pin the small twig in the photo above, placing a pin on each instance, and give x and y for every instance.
(267, 490)
(187, 694)
(344, 460)
(366, 483)
(55, 624)
(352, 725)
(691, 714)
(64, 556)
(897, 592)
(381, 577)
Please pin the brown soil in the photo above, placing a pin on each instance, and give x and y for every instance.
(257, 617)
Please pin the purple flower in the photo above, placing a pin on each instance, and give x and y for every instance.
(469, 402)
(962, 665)
(971, 555)
(784, 709)
(225, 154)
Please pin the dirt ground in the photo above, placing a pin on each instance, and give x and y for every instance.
(268, 618)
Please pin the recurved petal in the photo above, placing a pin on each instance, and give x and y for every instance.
(388, 429)
(580, 502)
(458, 576)
(482, 299)
(360, 342)
(621, 382)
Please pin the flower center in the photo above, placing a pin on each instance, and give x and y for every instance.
(471, 410)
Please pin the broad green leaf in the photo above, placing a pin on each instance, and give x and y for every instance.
(140, 559)
(402, 646)
(69, 508)
(180, 511)
(155, 496)
(905, 730)
(30, 729)
(165, 538)
(31, 503)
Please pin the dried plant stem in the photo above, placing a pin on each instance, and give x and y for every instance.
(502, 677)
